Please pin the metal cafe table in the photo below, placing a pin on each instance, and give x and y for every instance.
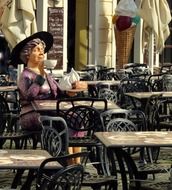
(110, 84)
(118, 140)
(143, 96)
(135, 139)
(50, 105)
(24, 160)
(107, 82)
(8, 88)
(146, 95)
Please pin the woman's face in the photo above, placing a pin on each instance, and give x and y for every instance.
(37, 54)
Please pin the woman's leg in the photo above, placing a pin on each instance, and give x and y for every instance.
(73, 150)
(72, 161)
(76, 150)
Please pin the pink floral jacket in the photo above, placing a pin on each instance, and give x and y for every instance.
(31, 89)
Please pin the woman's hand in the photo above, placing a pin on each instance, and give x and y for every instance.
(71, 94)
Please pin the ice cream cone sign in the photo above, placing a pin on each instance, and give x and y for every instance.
(125, 21)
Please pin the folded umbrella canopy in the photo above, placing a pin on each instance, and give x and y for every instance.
(18, 20)
(156, 17)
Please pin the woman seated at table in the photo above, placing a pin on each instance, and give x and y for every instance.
(34, 83)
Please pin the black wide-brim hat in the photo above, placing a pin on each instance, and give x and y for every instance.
(43, 35)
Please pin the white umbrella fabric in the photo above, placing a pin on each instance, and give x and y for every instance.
(156, 17)
(18, 20)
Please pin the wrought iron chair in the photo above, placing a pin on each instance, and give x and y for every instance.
(124, 124)
(155, 82)
(84, 121)
(90, 75)
(108, 94)
(113, 75)
(55, 140)
(93, 180)
(167, 82)
(103, 90)
(69, 177)
(131, 85)
(71, 102)
(54, 137)
(152, 111)
(138, 70)
(166, 68)
(158, 114)
(163, 118)
(134, 120)
(122, 74)
(103, 74)
(9, 127)
(136, 116)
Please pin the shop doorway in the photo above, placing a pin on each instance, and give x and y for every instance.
(77, 45)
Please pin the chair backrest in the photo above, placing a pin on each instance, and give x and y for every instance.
(124, 125)
(102, 74)
(108, 94)
(121, 124)
(167, 82)
(165, 68)
(122, 74)
(4, 114)
(3, 80)
(155, 82)
(134, 85)
(71, 102)
(124, 121)
(138, 70)
(84, 118)
(136, 116)
(54, 137)
(112, 75)
(95, 91)
(67, 178)
(92, 91)
(131, 85)
(90, 75)
(152, 111)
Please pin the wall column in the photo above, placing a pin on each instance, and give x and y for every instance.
(42, 13)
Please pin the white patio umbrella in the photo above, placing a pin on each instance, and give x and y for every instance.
(18, 20)
(156, 17)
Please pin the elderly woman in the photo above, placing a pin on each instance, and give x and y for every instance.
(34, 83)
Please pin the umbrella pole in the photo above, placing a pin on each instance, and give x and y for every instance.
(151, 52)
(19, 70)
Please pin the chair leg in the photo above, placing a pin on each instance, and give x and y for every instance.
(17, 143)
(17, 178)
(36, 138)
(31, 176)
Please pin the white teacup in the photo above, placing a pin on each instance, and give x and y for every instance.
(50, 63)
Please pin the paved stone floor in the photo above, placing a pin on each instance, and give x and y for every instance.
(6, 176)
